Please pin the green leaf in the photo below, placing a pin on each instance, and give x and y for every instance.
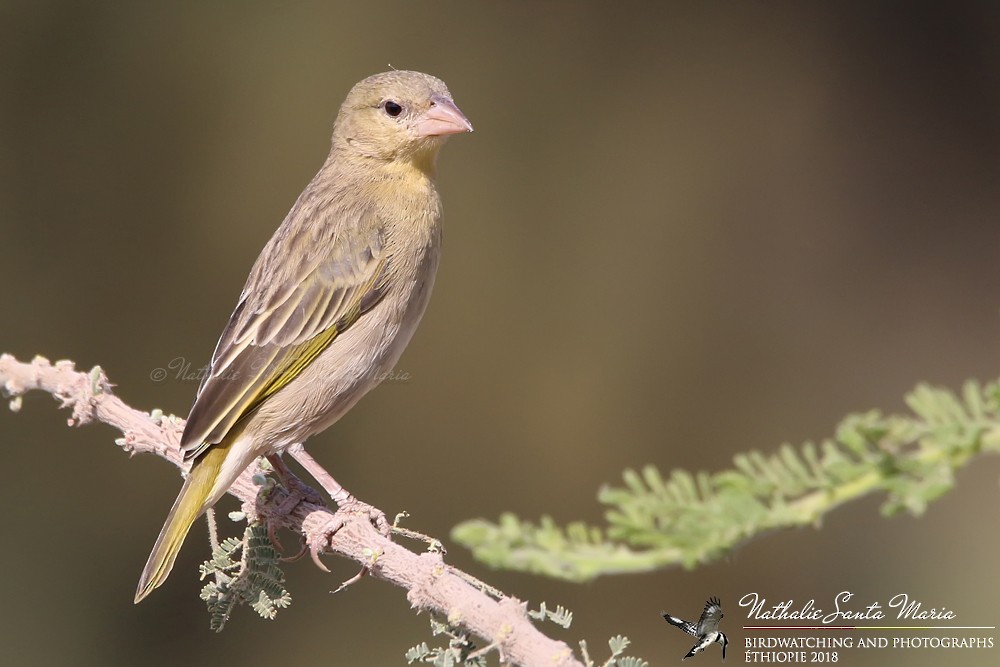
(654, 521)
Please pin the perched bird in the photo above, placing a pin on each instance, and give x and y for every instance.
(331, 301)
(707, 629)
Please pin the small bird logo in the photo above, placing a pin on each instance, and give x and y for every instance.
(706, 630)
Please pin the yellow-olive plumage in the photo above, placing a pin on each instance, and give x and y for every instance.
(331, 301)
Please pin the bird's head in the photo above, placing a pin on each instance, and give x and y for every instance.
(724, 641)
(398, 115)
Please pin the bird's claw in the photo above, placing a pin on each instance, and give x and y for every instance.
(303, 548)
(296, 492)
(319, 541)
(353, 580)
(272, 535)
(375, 516)
(321, 538)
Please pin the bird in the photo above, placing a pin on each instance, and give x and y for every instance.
(706, 630)
(330, 303)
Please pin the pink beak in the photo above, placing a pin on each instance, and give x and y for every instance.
(442, 119)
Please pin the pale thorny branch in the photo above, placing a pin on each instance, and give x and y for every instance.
(431, 584)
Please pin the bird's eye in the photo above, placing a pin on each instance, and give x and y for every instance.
(392, 108)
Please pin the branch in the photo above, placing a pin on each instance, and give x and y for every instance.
(688, 519)
(431, 584)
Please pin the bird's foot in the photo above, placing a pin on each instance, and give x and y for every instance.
(375, 516)
(346, 503)
(347, 506)
(296, 491)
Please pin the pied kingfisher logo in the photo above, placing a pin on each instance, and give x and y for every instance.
(706, 629)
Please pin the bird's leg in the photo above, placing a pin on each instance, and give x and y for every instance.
(345, 503)
(296, 490)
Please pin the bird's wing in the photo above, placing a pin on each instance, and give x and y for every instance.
(686, 626)
(710, 618)
(322, 271)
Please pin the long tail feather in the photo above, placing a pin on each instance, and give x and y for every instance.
(191, 502)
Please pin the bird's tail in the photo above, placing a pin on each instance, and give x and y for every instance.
(191, 502)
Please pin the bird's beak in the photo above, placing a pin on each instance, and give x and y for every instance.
(442, 119)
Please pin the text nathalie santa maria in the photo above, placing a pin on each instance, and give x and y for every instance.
(901, 605)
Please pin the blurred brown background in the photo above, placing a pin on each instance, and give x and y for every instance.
(678, 232)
